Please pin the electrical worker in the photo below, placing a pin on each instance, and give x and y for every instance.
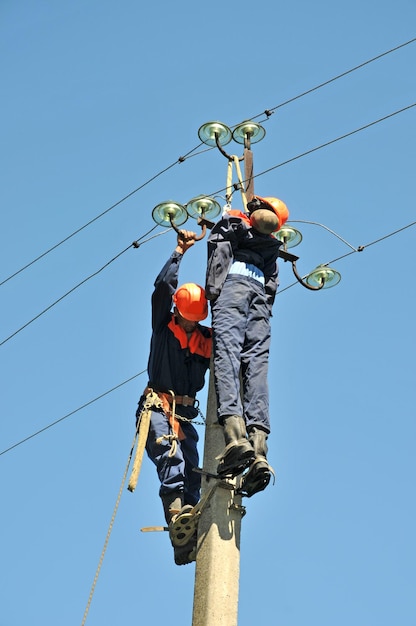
(241, 283)
(179, 357)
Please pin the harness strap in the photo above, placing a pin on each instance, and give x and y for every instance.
(229, 192)
(142, 432)
(168, 401)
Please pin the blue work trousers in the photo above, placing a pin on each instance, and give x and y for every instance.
(241, 332)
(175, 472)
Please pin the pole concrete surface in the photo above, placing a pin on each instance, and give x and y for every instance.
(218, 555)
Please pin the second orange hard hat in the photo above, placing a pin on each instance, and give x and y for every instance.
(278, 207)
(191, 302)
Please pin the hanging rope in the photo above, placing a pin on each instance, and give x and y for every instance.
(110, 528)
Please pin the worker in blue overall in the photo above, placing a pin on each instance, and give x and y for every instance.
(179, 357)
(241, 283)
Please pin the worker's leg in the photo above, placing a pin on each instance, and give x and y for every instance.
(259, 474)
(192, 483)
(170, 468)
(255, 361)
(229, 315)
(256, 393)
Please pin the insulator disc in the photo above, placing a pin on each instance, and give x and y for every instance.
(164, 212)
(248, 130)
(323, 274)
(203, 206)
(289, 236)
(208, 131)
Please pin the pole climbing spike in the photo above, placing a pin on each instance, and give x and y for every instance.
(192, 514)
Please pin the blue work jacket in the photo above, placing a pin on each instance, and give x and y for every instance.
(176, 363)
(233, 239)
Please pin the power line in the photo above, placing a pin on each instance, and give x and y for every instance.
(367, 245)
(181, 159)
(61, 419)
(331, 80)
(324, 145)
(113, 206)
(135, 244)
(358, 249)
(354, 251)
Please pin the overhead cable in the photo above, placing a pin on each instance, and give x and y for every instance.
(353, 251)
(324, 145)
(61, 419)
(113, 206)
(135, 244)
(331, 80)
(181, 159)
(358, 249)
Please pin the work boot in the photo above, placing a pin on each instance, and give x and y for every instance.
(238, 453)
(172, 504)
(259, 473)
(182, 527)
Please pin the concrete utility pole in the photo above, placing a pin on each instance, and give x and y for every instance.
(218, 557)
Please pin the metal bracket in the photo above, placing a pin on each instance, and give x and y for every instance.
(292, 258)
(202, 221)
(239, 507)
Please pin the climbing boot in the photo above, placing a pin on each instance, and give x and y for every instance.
(238, 453)
(182, 527)
(258, 476)
(172, 504)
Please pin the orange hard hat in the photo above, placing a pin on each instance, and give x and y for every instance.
(279, 208)
(191, 302)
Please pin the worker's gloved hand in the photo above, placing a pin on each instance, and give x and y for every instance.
(186, 239)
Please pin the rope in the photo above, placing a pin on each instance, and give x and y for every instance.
(141, 434)
(110, 528)
(173, 439)
(229, 185)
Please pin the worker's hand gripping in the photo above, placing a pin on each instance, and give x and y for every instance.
(186, 239)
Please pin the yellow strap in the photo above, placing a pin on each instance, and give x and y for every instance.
(152, 399)
(240, 180)
(141, 443)
(229, 186)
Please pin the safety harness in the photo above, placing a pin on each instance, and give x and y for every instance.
(167, 402)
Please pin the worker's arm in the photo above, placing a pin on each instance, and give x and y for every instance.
(166, 282)
(271, 282)
(221, 243)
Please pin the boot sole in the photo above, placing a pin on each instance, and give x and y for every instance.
(257, 479)
(235, 459)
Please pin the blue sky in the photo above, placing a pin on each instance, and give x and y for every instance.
(100, 97)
